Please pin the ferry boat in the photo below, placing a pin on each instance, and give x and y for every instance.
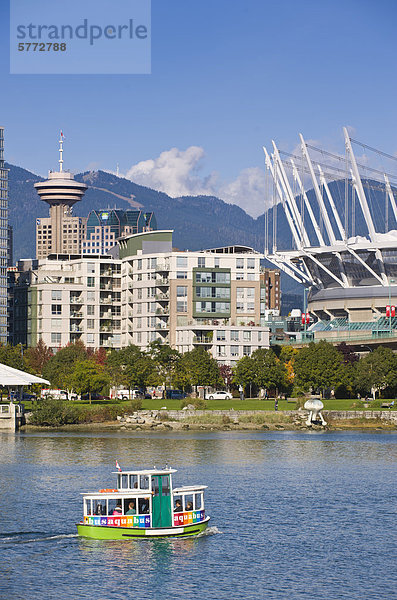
(144, 505)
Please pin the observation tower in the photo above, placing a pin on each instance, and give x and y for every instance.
(61, 233)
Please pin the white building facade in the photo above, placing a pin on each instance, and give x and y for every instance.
(210, 299)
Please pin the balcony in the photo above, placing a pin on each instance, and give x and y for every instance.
(107, 300)
(162, 281)
(161, 325)
(202, 339)
(106, 329)
(76, 315)
(162, 311)
(163, 296)
(75, 328)
(162, 267)
(106, 286)
(76, 300)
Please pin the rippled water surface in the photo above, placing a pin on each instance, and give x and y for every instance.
(294, 516)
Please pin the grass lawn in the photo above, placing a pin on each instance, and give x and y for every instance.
(235, 403)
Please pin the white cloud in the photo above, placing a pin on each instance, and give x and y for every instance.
(180, 173)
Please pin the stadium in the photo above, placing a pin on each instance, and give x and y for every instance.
(341, 214)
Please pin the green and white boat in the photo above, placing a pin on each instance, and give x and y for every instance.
(144, 505)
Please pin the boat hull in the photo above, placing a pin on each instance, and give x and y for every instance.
(128, 533)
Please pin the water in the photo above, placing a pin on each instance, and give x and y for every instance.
(294, 516)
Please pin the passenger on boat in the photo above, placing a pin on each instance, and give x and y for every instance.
(131, 508)
(98, 510)
(178, 506)
(189, 506)
(117, 510)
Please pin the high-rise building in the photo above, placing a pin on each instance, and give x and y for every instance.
(271, 289)
(104, 227)
(61, 232)
(4, 243)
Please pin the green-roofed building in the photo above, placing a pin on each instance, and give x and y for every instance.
(104, 227)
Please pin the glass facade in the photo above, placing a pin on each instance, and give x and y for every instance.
(4, 236)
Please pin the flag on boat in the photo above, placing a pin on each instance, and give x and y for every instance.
(118, 466)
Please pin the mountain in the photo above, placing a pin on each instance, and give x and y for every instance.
(198, 221)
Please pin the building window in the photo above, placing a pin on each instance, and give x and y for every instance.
(139, 264)
(221, 335)
(90, 296)
(246, 350)
(234, 350)
(139, 337)
(181, 262)
(181, 291)
(181, 306)
(240, 292)
(181, 274)
(90, 281)
(90, 338)
(240, 307)
(56, 309)
(90, 323)
(90, 267)
(56, 338)
(90, 309)
(250, 307)
(56, 323)
(216, 263)
(201, 261)
(250, 263)
(56, 295)
(239, 263)
(221, 350)
(246, 336)
(234, 336)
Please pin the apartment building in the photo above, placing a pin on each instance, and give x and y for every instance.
(74, 299)
(4, 241)
(210, 298)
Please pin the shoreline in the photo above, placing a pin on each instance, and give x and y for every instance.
(233, 421)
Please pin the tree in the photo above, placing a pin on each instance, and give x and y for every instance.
(12, 356)
(60, 366)
(377, 371)
(270, 371)
(88, 376)
(287, 356)
(227, 375)
(349, 357)
(202, 369)
(166, 361)
(320, 366)
(36, 358)
(245, 372)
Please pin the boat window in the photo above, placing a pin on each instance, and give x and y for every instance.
(124, 481)
(112, 503)
(133, 482)
(119, 481)
(144, 482)
(143, 506)
(178, 507)
(165, 485)
(198, 501)
(188, 502)
(99, 506)
(130, 509)
(88, 507)
(155, 486)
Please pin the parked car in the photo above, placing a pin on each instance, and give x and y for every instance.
(175, 394)
(220, 395)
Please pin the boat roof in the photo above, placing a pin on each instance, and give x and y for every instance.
(189, 488)
(146, 472)
(127, 493)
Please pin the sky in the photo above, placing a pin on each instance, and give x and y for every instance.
(227, 77)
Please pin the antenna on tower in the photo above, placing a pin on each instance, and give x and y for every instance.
(61, 138)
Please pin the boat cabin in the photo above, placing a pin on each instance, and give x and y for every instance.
(145, 499)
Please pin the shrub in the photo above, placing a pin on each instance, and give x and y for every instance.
(134, 405)
(54, 413)
(199, 404)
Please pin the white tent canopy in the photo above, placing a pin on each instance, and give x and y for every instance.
(10, 377)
